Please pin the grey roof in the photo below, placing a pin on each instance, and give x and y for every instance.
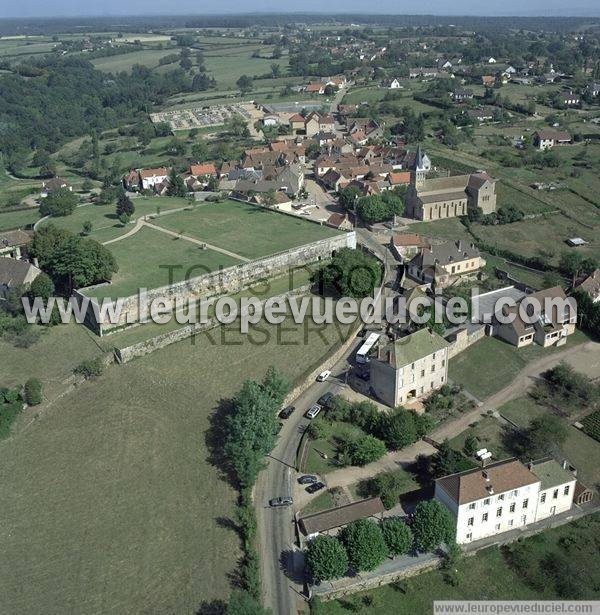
(11, 239)
(342, 515)
(13, 272)
(551, 473)
(445, 253)
(414, 347)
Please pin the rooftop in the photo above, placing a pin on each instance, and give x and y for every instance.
(551, 473)
(342, 515)
(411, 348)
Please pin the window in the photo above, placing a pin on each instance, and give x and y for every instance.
(525, 503)
(514, 494)
(443, 362)
(543, 498)
(486, 502)
(470, 521)
(484, 517)
(555, 494)
(566, 491)
(500, 497)
(512, 508)
(472, 506)
(511, 522)
(497, 527)
(422, 373)
(499, 512)
(432, 368)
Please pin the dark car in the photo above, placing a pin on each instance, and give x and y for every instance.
(307, 479)
(315, 487)
(325, 399)
(286, 412)
(286, 500)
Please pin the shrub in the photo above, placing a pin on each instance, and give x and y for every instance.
(92, 368)
(32, 392)
(397, 535)
(326, 558)
(365, 544)
(364, 450)
(432, 525)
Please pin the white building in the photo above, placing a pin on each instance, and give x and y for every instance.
(410, 367)
(152, 177)
(505, 495)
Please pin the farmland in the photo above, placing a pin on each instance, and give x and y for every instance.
(115, 481)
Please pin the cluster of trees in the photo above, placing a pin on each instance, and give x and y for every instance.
(249, 433)
(363, 545)
(562, 383)
(505, 215)
(350, 273)
(589, 313)
(12, 399)
(383, 430)
(71, 261)
(574, 265)
(61, 202)
(380, 207)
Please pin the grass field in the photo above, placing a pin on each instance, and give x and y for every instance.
(144, 259)
(18, 219)
(486, 576)
(125, 61)
(491, 364)
(245, 229)
(111, 504)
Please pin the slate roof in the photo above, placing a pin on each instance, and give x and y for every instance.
(411, 348)
(13, 272)
(551, 473)
(14, 239)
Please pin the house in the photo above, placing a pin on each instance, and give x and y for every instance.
(52, 185)
(297, 123)
(593, 89)
(339, 221)
(568, 99)
(459, 94)
(132, 181)
(405, 246)
(488, 80)
(491, 60)
(288, 179)
(481, 115)
(203, 171)
(315, 88)
(399, 178)
(549, 325)
(13, 242)
(270, 119)
(547, 138)
(152, 178)
(442, 263)
(16, 273)
(391, 84)
(448, 197)
(505, 495)
(332, 520)
(591, 284)
(315, 123)
(409, 367)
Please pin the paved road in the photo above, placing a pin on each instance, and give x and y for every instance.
(281, 566)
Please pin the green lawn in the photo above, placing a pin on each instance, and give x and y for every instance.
(488, 432)
(110, 502)
(321, 502)
(125, 61)
(485, 576)
(144, 259)
(491, 364)
(315, 463)
(18, 219)
(248, 230)
(450, 228)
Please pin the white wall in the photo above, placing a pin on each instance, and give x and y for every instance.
(553, 506)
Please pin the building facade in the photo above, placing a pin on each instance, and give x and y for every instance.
(505, 495)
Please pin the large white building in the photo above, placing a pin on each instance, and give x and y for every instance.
(505, 495)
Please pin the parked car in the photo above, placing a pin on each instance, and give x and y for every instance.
(287, 412)
(312, 412)
(315, 487)
(323, 376)
(285, 500)
(325, 399)
(308, 479)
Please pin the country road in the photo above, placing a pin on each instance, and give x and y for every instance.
(281, 565)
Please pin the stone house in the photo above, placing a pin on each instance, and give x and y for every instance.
(152, 178)
(16, 273)
(442, 264)
(12, 243)
(409, 368)
(546, 138)
(591, 286)
(505, 495)
(405, 246)
(52, 185)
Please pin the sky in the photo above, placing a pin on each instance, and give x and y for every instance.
(75, 8)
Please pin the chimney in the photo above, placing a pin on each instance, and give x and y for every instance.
(486, 476)
(530, 466)
(459, 245)
(389, 357)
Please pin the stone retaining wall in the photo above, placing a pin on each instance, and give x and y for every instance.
(462, 339)
(225, 281)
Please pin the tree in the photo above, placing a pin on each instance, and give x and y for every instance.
(432, 525)
(87, 185)
(348, 197)
(200, 151)
(471, 445)
(244, 83)
(400, 429)
(86, 228)
(365, 449)
(244, 603)
(365, 544)
(32, 392)
(544, 436)
(125, 206)
(124, 219)
(351, 273)
(176, 185)
(61, 202)
(326, 558)
(573, 264)
(388, 486)
(448, 461)
(252, 426)
(275, 70)
(397, 535)
(41, 287)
